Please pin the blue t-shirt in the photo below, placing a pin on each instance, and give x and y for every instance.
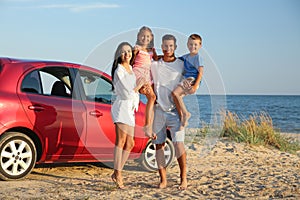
(191, 65)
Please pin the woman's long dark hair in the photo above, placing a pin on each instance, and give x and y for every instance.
(117, 60)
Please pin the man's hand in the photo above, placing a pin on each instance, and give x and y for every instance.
(186, 84)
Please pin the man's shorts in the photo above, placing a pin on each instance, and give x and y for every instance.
(162, 121)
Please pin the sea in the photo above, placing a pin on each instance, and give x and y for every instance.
(284, 110)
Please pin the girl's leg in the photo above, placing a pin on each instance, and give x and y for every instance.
(184, 115)
(151, 97)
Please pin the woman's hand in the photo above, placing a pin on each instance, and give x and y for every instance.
(145, 89)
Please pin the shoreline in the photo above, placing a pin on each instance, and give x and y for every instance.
(295, 136)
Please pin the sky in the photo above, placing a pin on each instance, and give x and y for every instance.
(249, 46)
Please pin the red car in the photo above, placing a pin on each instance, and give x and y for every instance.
(54, 112)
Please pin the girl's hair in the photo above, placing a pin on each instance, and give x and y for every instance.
(145, 28)
(117, 60)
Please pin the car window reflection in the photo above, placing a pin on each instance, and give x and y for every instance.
(51, 81)
(96, 87)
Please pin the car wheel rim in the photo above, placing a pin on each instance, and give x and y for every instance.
(16, 157)
(151, 152)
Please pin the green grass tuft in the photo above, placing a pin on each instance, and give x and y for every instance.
(256, 130)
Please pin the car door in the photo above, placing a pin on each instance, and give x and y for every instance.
(100, 128)
(54, 112)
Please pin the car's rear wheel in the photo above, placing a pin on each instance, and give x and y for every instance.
(148, 160)
(17, 156)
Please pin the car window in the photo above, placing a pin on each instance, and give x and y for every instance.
(96, 87)
(52, 81)
(31, 83)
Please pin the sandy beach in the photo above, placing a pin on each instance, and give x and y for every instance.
(227, 170)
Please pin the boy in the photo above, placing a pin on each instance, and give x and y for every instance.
(193, 71)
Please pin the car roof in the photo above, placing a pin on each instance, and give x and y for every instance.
(36, 62)
(24, 60)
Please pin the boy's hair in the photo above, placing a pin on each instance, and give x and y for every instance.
(169, 37)
(195, 37)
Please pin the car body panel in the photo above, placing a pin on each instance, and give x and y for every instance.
(69, 129)
(55, 119)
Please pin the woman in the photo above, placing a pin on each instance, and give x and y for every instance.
(125, 87)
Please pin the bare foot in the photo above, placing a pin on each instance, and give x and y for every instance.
(162, 185)
(181, 127)
(185, 119)
(117, 181)
(183, 184)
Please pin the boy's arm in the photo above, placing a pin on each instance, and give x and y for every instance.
(198, 80)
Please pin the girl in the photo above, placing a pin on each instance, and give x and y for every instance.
(142, 56)
(125, 87)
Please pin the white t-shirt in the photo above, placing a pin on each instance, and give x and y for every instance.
(166, 76)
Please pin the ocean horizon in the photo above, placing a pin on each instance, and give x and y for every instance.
(284, 110)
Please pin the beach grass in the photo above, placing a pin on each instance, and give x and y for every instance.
(257, 129)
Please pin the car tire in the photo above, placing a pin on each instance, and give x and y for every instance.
(148, 160)
(17, 156)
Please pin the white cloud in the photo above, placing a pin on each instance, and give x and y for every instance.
(80, 8)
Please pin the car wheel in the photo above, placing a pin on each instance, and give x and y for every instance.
(148, 160)
(17, 156)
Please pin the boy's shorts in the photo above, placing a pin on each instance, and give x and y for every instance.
(189, 79)
(162, 121)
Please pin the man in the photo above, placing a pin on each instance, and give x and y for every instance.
(167, 73)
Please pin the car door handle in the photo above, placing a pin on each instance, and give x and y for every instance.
(96, 113)
(36, 108)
